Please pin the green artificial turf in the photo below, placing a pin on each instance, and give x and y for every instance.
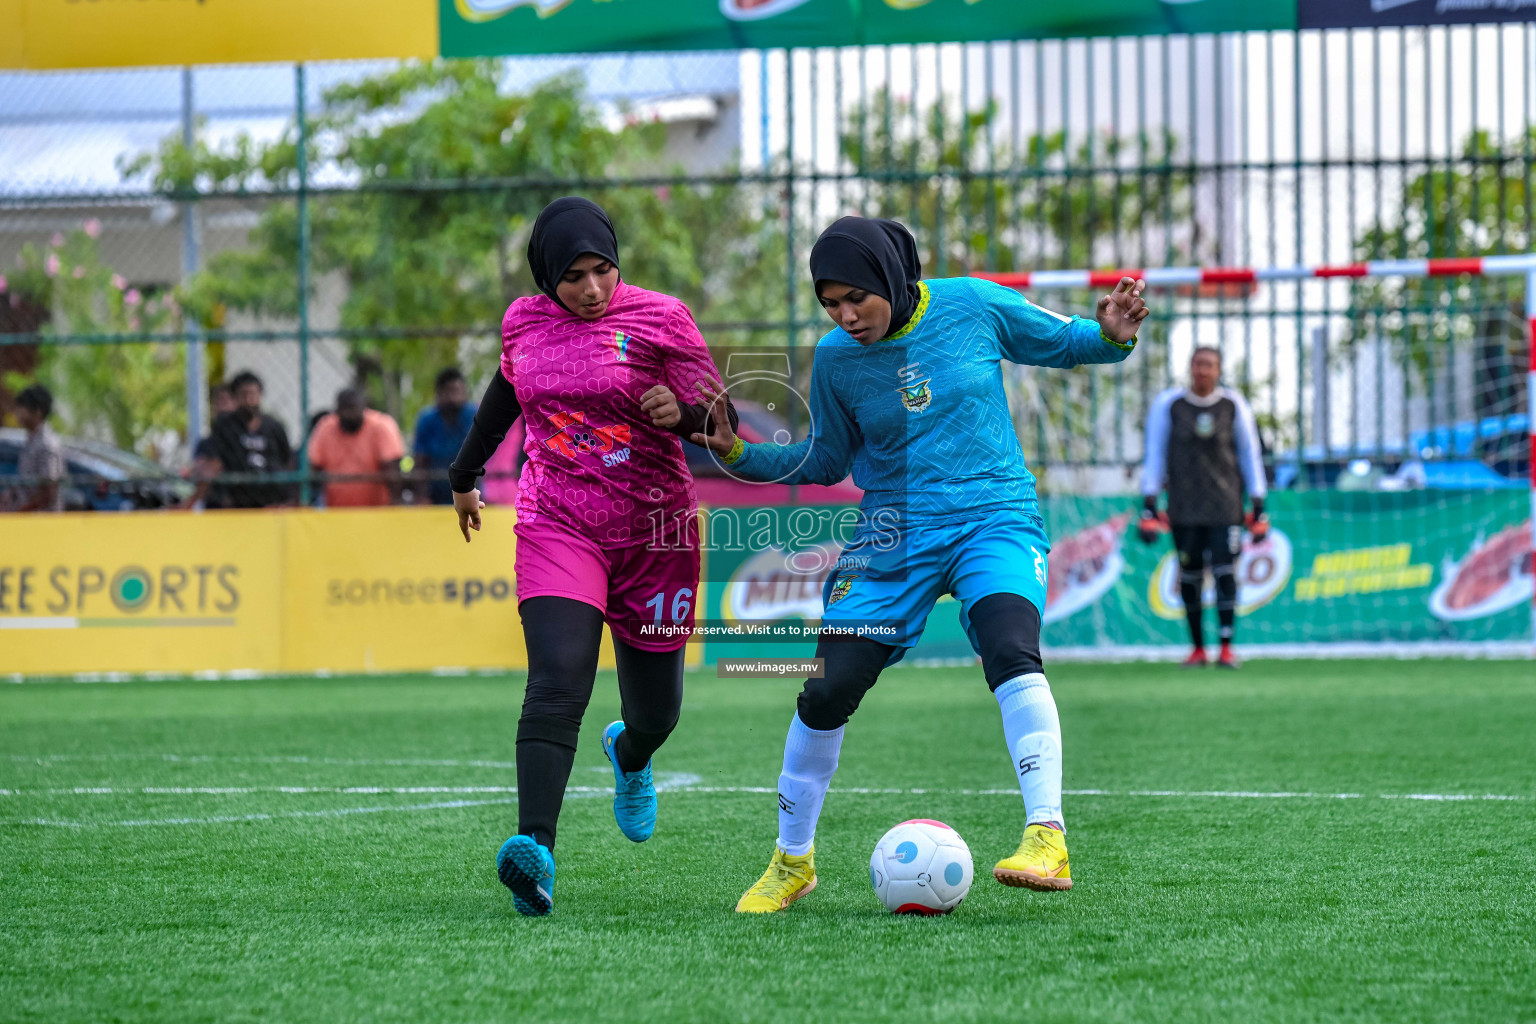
(1193, 903)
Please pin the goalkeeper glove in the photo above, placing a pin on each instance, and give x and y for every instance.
(1258, 522)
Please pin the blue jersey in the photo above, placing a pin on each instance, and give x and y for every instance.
(921, 418)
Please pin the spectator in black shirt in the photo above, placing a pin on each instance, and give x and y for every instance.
(247, 441)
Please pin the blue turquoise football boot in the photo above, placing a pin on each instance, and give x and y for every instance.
(634, 793)
(528, 869)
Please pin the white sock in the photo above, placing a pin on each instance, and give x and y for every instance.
(810, 758)
(1033, 731)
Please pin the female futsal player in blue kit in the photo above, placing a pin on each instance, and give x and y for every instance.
(907, 393)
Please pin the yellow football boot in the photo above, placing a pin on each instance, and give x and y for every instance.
(786, 880)
(1040, 862)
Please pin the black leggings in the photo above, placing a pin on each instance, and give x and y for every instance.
(1007, 629)
(563, 637)
(1218, 546)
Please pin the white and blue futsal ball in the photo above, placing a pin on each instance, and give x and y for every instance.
(921, 867)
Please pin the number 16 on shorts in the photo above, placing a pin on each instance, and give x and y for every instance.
(664, 624)
(681, 605)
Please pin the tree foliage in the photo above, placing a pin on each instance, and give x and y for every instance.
(429, 238)
(440, 168)
(1478, 206)
(129, 393)
(976, 202)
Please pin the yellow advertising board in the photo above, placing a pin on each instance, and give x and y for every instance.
(345, 590)
(129, 33)
(95, 592)
(391, 589)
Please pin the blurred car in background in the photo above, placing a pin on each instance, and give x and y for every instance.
(101, 478)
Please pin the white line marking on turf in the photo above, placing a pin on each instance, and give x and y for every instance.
(572, 793)
(397, 762)
(1207, 793)
(678, 786)
(666, 782)
(241, 790)
(231, 818)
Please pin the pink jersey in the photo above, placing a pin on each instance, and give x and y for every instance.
(595, 462)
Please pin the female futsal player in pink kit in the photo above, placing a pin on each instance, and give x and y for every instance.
(595, 366)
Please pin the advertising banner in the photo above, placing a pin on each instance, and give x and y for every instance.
(96, 592)
(1388, 13)
(341, 590)
(123, 33)
(136, 33)
(483, 27)
(398, 589)
(1357, 567)
(1337, 567)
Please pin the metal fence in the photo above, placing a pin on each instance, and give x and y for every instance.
(322, 225)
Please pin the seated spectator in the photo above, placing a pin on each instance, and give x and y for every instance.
(356, 441)
(249, 441)
(206, 466)
(440, 431)
(41, 467)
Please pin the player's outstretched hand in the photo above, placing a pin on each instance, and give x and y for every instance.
(468, 506)
(724, 437)
(1121, 312)
(661, 404)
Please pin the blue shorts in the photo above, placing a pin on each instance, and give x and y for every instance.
(886, 583)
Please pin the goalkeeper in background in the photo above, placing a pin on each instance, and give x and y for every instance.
(1203, 447)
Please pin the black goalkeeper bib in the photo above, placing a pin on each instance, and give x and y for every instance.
(1205, 485)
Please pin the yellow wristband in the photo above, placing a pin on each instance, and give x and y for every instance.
(1118, 344)
(735, 452)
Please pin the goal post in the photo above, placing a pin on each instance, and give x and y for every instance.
(1472, 566)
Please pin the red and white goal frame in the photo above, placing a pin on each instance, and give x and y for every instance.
(1196, 277)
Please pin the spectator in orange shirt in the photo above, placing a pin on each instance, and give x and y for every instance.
(356, 441)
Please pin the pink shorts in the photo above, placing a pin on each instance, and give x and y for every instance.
(646, 595)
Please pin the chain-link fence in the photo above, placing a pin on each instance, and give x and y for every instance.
(340, 224)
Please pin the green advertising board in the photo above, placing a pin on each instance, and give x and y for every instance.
(472, 28)
(477, 28)
(41, 34)
(1338, 567)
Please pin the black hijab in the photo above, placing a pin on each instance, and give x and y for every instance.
(878, 256)
(566, 230)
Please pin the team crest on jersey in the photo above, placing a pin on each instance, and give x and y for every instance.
(915, 397)
(619, 346)
(575, 437)
(840, 589)
(1205, 425)
(915, 394)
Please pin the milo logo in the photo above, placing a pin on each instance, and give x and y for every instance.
(1262, 571)
(777, 584)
